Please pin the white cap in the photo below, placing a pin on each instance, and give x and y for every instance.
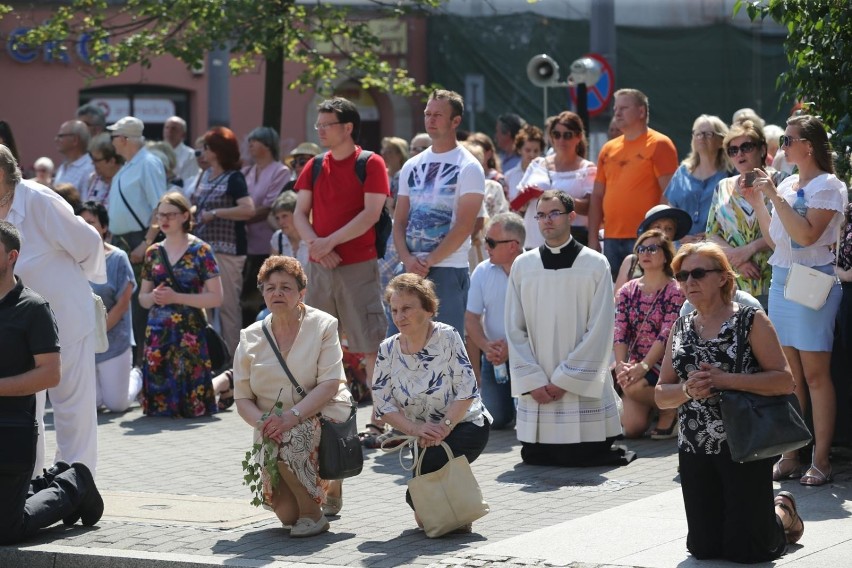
(128, 126)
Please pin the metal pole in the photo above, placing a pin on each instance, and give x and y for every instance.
(218, 88)
(544, 108)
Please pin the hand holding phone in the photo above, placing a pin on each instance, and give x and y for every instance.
(748, 178)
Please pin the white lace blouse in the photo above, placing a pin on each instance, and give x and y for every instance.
(823, 192)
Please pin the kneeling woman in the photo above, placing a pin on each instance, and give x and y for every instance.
(729, 506)
(307, 340)
(423, 384)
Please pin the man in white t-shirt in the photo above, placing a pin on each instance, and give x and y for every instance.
(440, 195)
(72, 141)
(174, 132)
(486, 308)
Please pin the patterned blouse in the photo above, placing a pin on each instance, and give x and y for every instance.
(422, 386)
(634, 328)
(844, 256)
(701, 430)
(221, 192)
(734, 220)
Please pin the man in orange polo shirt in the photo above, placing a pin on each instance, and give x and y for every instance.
(633, 171)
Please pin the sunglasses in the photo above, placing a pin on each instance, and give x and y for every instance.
(785, 141)
(650, 249)
(745, 147)
(198, 153)
(559, 135)
(696, 273)
(301, 160)
(493, 244)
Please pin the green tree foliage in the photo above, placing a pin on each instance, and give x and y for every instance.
(330, 41)
(819, 49)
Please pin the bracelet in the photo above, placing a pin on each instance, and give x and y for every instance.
(644, 365)
(213, 212)
(686, 391)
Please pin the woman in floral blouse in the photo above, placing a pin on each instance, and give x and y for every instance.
(176, 373)
(424, 384)
(646, 309)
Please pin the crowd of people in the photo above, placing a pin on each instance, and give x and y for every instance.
(522, 285)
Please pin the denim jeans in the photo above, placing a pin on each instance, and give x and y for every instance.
(497, 397)
(615, 251)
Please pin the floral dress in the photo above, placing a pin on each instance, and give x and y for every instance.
(176, 372)
(642, 319)
(701, 430)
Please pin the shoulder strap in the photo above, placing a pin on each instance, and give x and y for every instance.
(175, 283)
(360, 166)
(742, 335)
(281, 360)
(142, 226)
(281, 242)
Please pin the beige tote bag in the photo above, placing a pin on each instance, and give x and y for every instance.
(807, 286)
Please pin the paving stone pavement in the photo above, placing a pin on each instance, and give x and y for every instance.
(170, 460)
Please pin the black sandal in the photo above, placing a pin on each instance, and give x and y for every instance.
(226, 398)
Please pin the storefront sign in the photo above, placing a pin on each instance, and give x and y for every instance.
(49, 52)
(145, 109)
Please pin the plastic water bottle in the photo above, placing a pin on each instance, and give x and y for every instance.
(501, 373)
(800, 206)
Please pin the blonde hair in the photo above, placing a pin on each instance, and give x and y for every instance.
(715, 253)
(721, 129)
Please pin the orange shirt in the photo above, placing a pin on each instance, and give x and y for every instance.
(629, 169)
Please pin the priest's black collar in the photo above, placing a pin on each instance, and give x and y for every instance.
(560, 257)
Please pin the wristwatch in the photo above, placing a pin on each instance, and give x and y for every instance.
(213, 212)
(448, 423)
(297, 414)
(644, 365)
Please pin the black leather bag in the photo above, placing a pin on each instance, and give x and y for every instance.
(758, 426)
(340, 452)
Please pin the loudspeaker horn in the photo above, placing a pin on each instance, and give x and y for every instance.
(543, 71)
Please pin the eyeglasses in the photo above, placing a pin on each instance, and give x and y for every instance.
(168, 216)
(553, 215)
(745, 147)
(785, 141)
(493, 244)
(64, 134)
(114, 136)
(324, 126)
(696, 273)
(301, 160)
(96, 160)
(559, 134)
(198, 153)
(699, 135)
(649, 249)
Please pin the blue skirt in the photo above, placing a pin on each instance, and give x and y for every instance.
(799, 326)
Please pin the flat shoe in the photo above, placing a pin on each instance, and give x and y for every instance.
(332, 506)
(814, 477)
(797, 526)
(780, 475)
(91, 508)
(664, 434)
(309, 527)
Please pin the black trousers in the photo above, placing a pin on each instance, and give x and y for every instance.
(23, 513)
(467, 439)
(729, 508)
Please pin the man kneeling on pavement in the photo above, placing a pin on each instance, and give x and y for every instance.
(29, 362)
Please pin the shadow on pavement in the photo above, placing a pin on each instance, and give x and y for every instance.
(142, 425)
(248, 545)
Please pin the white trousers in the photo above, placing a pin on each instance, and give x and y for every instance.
(114, 382)
(75, 417)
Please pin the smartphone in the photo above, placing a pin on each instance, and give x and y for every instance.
(748, 178)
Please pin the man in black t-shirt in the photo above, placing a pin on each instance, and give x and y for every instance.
(29, 362)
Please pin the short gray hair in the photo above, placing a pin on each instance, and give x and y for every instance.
(267, 136)
(286, 201)
(81, 130)
(102, 144)
(512, 223)
(9, 165)
(94, 111)
(179, 120)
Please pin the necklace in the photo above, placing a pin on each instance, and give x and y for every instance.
(7, 198)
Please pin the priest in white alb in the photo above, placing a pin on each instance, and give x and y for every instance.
(559, 326)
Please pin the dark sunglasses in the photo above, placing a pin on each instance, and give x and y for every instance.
(198, 153)
(785, 141)
(301, 160)
(493, 244)
(650, 249)
(696, 273)
(559, 135)
(746, 147)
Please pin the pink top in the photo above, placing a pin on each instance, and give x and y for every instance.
(263, 187)
(631, 308)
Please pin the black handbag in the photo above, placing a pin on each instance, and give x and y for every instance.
(217, 349)
(758, 426)
(340, 452)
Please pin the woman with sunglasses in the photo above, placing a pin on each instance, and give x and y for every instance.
(567, 169)
(730, 512)
(807, 213)
(176, 372)
(646, 309)
(732, 223)
(691, 187)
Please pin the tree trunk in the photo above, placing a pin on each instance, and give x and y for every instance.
(273, 89)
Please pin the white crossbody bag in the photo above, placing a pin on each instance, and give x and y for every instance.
(808, 286)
